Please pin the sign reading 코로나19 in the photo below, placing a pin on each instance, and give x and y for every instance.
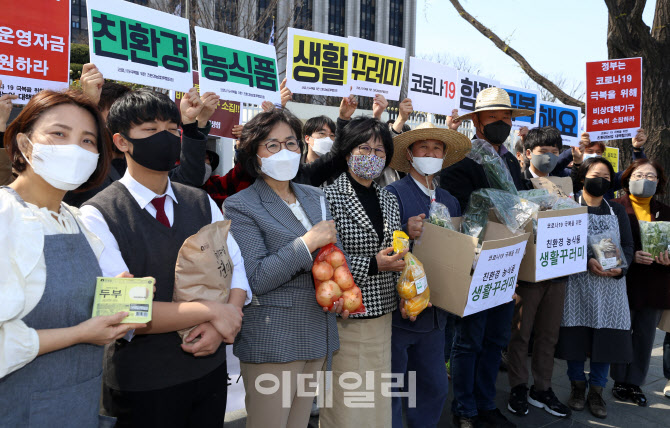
(564, 118)
(34, 47)
(432, 87)
(236, 68)
(376, 68)
(137, 44)
(317, 63)
(613, 98)
(561, 246)
(524, 99)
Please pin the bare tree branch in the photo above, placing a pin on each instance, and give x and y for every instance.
(516, 56)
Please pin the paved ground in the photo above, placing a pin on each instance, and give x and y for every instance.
(620, 414)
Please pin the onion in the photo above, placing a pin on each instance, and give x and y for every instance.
(353, 299)
(322, 271)
(336, 259)
(327, 293)
(343, 278)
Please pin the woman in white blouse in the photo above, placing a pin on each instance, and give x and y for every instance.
(51, 358)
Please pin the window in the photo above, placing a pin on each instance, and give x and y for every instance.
(336, 9)
(226, 17)
(267, 11)
(368, 19)
(303, 14)
(396, 19)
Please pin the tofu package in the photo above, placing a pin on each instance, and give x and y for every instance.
(132, 295)
(204, 268)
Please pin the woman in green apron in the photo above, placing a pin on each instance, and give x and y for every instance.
(596, 317)
(51, 363)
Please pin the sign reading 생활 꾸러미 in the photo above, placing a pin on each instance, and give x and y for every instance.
(564, 118)
(432, 87)
(469, 86)
(34, 47)
(494, 279)
(140, 45)
(237, 69)
(524, 99)
(317, 63)
(561, 246)
(613, 98)
(376, 68)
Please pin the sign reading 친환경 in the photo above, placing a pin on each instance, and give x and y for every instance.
(140, 45)
(561, 246)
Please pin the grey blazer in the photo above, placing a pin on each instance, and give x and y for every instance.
(284, 322)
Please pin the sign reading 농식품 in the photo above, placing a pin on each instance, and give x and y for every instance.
(237, 69)
(34, 47)
(140, 45)
(564, 118)
(432, 87)
(376, 68)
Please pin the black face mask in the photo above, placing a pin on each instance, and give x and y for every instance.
(497, 132)
(596, 186)
(158, 152)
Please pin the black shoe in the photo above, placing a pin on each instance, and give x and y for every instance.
(622, 391)
(547, 400)
(463, 422)
(518, 400)
(494, 419)
(504, 360)
(637, 396)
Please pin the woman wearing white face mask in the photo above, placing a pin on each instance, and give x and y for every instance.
(418, 343)
(51, 369)
(280, 225)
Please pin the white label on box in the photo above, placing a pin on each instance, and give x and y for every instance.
(495, 277)
(561, 246)
(421, 285)
(608, 262)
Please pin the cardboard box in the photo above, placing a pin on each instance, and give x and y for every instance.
(531, 265)
(447, 257)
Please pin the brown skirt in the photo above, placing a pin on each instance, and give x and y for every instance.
(602, 345)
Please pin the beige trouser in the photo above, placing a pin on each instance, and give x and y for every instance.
(365, 351)
(279, 409)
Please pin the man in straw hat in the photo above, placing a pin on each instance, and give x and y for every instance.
(419, 342)
(480, 338)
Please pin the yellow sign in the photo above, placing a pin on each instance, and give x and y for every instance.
(612, 155)
(320, 60)
(375, 68)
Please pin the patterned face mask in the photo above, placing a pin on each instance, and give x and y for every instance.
(367, 167)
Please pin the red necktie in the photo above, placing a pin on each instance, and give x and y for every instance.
(159, 204)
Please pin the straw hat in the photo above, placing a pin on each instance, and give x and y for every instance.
(495, 99)
(457, 145)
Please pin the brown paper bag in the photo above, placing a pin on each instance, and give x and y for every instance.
(562, 186)
(204, 269)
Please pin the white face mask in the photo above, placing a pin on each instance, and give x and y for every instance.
(208, 173)
(591, 155)
(64, 166)
(321, 146)
(427, 165)
(282, 166)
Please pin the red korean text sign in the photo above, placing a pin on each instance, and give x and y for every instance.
(613, 98)
(34, 47)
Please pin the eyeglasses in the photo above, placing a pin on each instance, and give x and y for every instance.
(274, 146)
(649, 176)
(366, 150)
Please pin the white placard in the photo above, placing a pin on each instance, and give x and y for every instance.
(495, 278)
(565, 118)
(317, 63)
(469, 86)
(376, 68)
(237, 69)
(561, 246)
(523, 98)
(433, 88)
(140, 45)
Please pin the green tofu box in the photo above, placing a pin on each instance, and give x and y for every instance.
(132, 295)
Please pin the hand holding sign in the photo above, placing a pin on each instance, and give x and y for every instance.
(640, 138)
(210, 102)
(191, 106)
(5, 109)
(348, 107)
(91, 82)
(451, 123)
(285, 93)
(379, 106)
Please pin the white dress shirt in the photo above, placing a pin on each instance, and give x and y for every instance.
(23, 271)
(111, 261)
(299, 213)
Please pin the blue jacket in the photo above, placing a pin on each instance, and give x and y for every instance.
(412, 202)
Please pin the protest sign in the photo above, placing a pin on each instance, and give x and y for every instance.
(468, 88)
(564, 118)
(525, 99)
(613, 98)
(226, 115)
(612, 155)
(34, 47)
(317, 63)
(432, 87)
(236, 68)
(140, 45)
(376, 68)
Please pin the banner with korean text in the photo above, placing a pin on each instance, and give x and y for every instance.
(523, 98)
(564, 118)
(432, 87)
(34, 47)
(317, 63)
(469, 86)
(140, 45)
(613, 98)
(376, 68)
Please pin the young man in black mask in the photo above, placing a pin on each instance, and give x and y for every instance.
(480, 338)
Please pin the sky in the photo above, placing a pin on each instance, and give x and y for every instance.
(557, 37)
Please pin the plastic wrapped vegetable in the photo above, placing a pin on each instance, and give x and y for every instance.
(565, 204)
(494, 166)
(412, 285)
(439, 215)
(607, 250)
(512, 211)
(333, 280)
(655, 237)
(542, 197)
